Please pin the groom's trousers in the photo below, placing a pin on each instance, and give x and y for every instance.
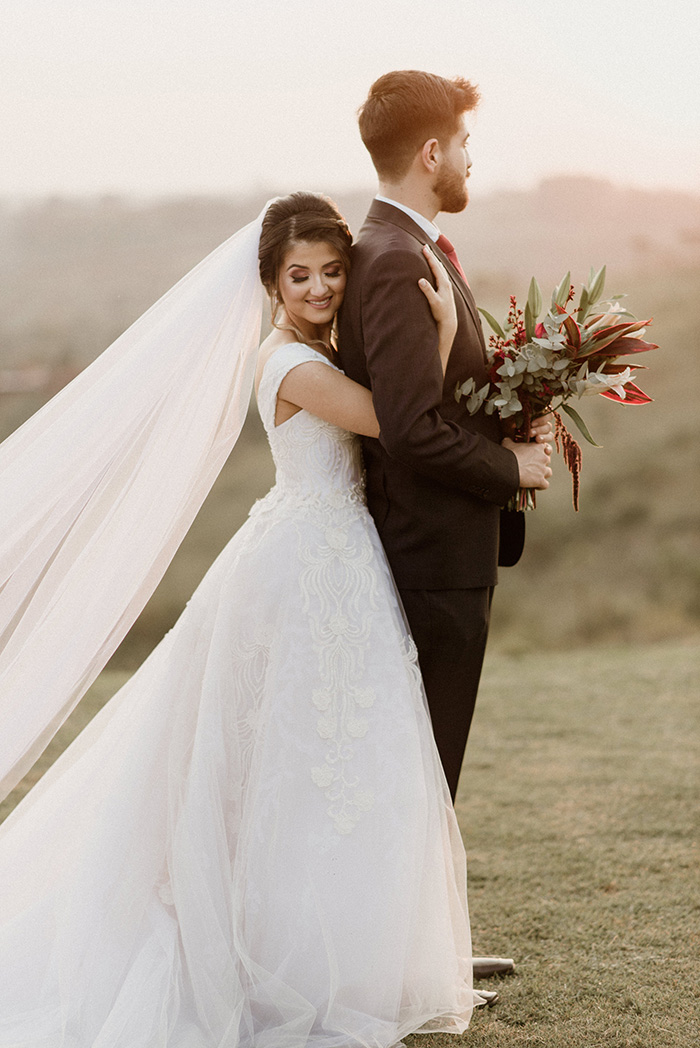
(450, 628)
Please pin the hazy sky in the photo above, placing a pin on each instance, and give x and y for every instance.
(172, 96)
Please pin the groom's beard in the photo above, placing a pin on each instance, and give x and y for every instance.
(450, 188)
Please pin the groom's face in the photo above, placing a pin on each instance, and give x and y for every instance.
(450, 185)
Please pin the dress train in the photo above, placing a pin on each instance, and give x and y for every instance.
(252, 845)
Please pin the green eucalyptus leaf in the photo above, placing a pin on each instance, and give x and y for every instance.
(534, 299)
(580, 423)
(561, 291)
(584, 306)
(597, 284)
(492, 322)
(529, 322)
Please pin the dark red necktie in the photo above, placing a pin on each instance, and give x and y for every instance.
(448, 249)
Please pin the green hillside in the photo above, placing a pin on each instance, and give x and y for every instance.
(627, 567)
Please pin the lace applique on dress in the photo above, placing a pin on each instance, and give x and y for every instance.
(320, 480)
(339, 592)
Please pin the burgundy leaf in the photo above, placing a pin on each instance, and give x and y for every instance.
(573, 331)
(634, 395)
(621, 347)
(616, 369)
(611, 334)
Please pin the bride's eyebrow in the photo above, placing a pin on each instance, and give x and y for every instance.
(333, 262)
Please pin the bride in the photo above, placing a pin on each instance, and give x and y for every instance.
(253, 843)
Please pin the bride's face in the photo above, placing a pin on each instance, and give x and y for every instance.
(311, 285)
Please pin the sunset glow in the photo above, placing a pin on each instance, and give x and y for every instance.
(169, 96)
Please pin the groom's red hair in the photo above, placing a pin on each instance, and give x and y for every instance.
(406, 108)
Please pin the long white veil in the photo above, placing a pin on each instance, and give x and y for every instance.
(98, 488)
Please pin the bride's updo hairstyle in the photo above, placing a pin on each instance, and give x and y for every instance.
(299, 217)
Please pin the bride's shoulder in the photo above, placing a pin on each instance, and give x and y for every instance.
(279, 344)
(274, 341)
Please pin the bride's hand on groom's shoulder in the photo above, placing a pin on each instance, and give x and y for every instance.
(441, 300)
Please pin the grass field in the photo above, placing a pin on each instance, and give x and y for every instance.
(579, 807)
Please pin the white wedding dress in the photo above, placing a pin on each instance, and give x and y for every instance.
(253, 843)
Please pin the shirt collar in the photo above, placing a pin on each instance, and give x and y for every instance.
(429, 228)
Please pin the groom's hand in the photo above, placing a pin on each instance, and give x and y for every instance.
(533, 463)
(541, 429)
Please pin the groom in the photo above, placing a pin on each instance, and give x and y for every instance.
(437, 477)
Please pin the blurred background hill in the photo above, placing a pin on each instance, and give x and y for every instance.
(74, 272)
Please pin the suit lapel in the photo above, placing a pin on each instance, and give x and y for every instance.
(381, 212)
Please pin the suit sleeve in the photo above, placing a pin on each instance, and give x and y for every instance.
(400, 340)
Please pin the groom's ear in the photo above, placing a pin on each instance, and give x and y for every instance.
(430, 155)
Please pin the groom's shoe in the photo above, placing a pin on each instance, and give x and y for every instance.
(485, 967)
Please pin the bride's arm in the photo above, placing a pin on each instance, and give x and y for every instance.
(334, 397)
(329, 395)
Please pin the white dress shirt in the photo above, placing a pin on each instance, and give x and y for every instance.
(429, 228)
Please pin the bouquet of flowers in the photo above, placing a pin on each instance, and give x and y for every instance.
(538, 367)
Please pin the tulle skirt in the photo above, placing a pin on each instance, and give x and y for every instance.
(253, 843)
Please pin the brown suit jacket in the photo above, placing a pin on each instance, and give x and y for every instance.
(437, 477)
